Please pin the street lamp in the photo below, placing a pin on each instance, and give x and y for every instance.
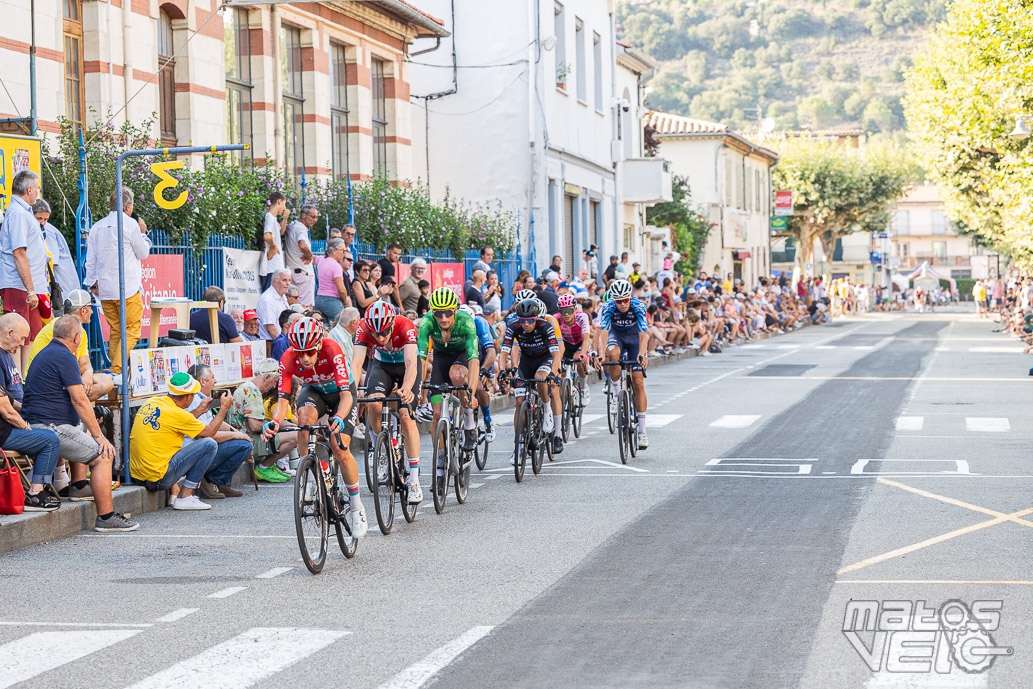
(1021, 132)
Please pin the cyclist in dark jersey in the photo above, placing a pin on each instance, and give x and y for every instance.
(486, 345)
(395, 365)
(453, 335)
(321, 365)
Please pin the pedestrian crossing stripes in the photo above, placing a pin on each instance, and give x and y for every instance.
(41, 652)
(735, 421)
(987, 424)
(910, 423)
(946, 423)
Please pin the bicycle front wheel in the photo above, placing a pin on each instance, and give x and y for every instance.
(520, 441)
(440, 460)
(622, 429)
(344, 535)
(383, 484)
(579, 410)
(632, 424)
(310, 514)
(611, 411)
(567, 407)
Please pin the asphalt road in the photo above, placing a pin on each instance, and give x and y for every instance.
(884, 458)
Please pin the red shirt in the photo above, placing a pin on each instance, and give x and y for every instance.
(330, 374)
(403, 333)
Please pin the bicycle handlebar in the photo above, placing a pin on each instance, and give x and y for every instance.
(448, 388)
(379, 400)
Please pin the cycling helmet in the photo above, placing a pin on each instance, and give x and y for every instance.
(542, 308)
(528, 308)
(465, 308)
(443, 299)
(565, 301)
(525, 294)
(379, 317)
(620, 289)
(305, 334)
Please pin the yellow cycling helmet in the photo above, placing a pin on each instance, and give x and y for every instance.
(443, 299)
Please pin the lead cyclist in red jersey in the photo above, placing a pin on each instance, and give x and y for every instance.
(320, 363)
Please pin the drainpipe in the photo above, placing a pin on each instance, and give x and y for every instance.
(127, 59)
(274, 23)
(533, 64)
(617, 221)
(32, 69)
(111, 61)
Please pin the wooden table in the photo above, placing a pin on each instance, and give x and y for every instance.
(182, 309)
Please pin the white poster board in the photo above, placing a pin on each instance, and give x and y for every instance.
(231, 363)
(240, 278)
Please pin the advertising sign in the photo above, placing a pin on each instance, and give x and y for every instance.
(17, 153)
(240, 278)
(783, 203)
(162, 277)
(448, 275)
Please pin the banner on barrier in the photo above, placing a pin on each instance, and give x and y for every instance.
(240, 278)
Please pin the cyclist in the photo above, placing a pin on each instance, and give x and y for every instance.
(321, 366)
(576, 332)
(395, 364)
(486, 344)
(453, 335)
(539, 357)
(624, 326)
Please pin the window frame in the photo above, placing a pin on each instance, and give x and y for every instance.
(339, 112)
(597, 68)
(293, 100)
(378, 97)
(581, 82)
(166, 80)
(72, 32)
(240, 84)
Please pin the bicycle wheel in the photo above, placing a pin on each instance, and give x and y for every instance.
(344, 534)
(402, 469)
(632, 424)
(439, 460)
(369, 461)
(480, 453)
(466, 461)
(541, 442)
(520, 438)
(310, 514)
(579, 410)
(566, 406)
(384, 485)
(611, 411)
(622, 421)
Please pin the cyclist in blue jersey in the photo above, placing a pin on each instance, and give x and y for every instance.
(624, 327)
(486, 344)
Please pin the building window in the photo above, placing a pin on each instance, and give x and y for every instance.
(379, 92)
(559, 30)
(901, 223)
(629, 236)
(237, 39)
(939, 249)
(293, 100)
(579, 58)
(597, 65)
(338, 110)
(939, 223)
(166, 81)
(74, 96)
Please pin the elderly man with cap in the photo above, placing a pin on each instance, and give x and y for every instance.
(78, 303)
(249, 331)
(158, 458)
(248, 414)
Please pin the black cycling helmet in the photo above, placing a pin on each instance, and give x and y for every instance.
(528, 308)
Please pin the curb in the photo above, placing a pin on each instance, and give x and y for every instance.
(30, 528)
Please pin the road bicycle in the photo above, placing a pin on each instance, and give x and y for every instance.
(480, 453)
(529, 437)
(570, 400)
(448, 455)
(319, 500)
(621, 416)
(386, 465)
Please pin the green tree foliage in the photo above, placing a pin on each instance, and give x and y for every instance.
(796, 23)
(964, 93)
(838, 190)
(688, 222)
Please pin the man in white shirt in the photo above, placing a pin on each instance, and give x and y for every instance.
(102, 273)
(272, 302)
(297, 254)
(271, 258)
(624, 268)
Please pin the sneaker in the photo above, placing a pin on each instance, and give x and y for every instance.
(489, 432)
(190, 503)
(512, 459)
(84, 494)
(284, 465)
(41, 502)
(606, 387)
(547, 424)
(415, 490)
(613, 404)
(586, 396)
(230, 491)
(357, 522)
(469, 440)
(271, 474)
(643, 440)
(705, 353)
(208, 491)
(557, 444)
(116, 522)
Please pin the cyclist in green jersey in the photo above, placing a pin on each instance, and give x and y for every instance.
(456, 356)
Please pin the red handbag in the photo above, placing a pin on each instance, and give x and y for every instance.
(12, 492)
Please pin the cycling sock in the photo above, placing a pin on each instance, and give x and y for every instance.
(641, 421)
(414, 467)
(468, 423)
(435, 399)
(353, 497)
(557, 424)
(486, 413)
(606, 374)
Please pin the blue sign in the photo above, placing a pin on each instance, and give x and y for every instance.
(876, 257)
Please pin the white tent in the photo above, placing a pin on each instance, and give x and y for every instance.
(926, 271)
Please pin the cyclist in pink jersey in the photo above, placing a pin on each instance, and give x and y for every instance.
(576, 330)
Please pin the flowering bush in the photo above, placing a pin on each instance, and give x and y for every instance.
(226, 198)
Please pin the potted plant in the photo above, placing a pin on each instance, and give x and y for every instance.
(562, 72)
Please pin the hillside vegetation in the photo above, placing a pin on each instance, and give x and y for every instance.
(819, 64)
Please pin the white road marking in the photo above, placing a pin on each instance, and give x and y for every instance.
(826, 347)
(928, 680)
(616, 465)
(417, 674)
(987, 424)
(734, 421)
(910, 423)
(661, 420)
(941, 348)
(959, 466)
(741, 465)
(243, 660)
(226, 593)
(177, 614)
(864, 348)
(491, 477)
(40, 652)
(997, 350)
(75, 624)
(589, 418)
(789, 346)
(274, 572)
(476, 485)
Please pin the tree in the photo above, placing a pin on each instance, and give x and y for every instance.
(969, 83)
(688, 222)
(838, 190)
(818, 109)
(877, 116)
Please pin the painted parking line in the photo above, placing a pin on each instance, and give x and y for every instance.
(226, 593)
(910, 423)
(735, 421)
(417, 674)
(661, 420)
(987, 424)
(39, 652)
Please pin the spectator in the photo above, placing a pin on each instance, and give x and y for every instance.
(271, 303)
(332, 295)
(297, 254)
(293, 299)
(610, 274)
(520, 282)
(472, 290)
(250, 332)
(238, 319)
(102, 276)
(624, 268)
(364, 292)
(386, 291)
(591, 262)
(271, 259)
(227, 325)
(348, 264)
(234, 446)
(549, 295)
(555, 267)
(487, 254)
(79, 304)
(13, 331)
(23, 256)
(579, 284)
(423, 305)
(64, 265)
(280, 344)
(492, 290)
(55, 400)
(635, 275)
(158, 458)
(409, 290)
(387, 270)
(248, 414)
(334, 233)
(349, 239)
(343, 333)
(42, 445)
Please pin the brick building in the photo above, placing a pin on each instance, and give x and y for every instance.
(321, 87)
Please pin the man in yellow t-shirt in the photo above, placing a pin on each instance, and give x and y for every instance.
(77, 303)
(157, 457)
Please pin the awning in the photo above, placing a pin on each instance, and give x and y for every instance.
(740, 254)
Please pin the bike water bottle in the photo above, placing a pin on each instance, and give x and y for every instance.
(329, 477)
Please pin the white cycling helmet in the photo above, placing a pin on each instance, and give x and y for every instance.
(525, 294)
(620, 289)
(465, 308)
(542, 308)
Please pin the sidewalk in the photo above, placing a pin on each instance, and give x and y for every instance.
(29, 528)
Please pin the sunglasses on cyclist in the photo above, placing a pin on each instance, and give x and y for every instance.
(622, 301)
(444, 313)
(306, 352)
(524, 321)
(567, 310)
